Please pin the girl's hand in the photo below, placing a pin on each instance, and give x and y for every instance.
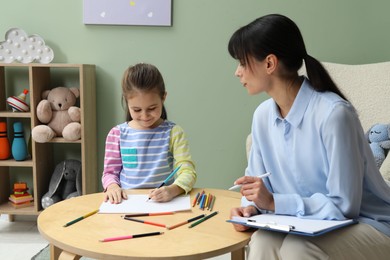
(242, 212)
(114, 194)
(253, 189)
(165, 193)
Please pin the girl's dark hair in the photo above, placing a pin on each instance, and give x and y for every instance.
(276, 34)
(142, 77)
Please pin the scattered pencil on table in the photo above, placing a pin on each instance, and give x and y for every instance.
(212, 203)
(185, 222)
(168, 178)
(205, 201)
(109, 239)
(199, 198)
(145, 222)
(203, 219)
(81, 218)
(148, 214)
(195, 199)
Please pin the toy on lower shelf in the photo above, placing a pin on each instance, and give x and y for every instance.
(19, 145)
(5, 148)
(20, 198)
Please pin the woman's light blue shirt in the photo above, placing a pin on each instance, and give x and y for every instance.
(321, 163)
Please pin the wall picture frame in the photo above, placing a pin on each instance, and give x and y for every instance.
(128, 12)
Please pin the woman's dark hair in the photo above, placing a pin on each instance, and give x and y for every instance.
(277, 34)
(142, 77)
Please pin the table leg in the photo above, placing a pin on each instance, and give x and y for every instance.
(238, 254)
(54, 252)
(68, 256)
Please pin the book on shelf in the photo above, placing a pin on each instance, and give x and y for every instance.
(25, 195)
(20, 200)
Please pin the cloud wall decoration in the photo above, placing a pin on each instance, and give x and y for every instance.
(19, 47)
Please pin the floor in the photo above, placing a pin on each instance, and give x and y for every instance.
(20, 240)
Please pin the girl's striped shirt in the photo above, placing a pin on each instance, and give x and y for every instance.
(144, 158)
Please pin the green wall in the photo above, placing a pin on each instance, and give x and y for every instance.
(204, 97)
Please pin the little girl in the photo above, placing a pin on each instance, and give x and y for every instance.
(143, 151)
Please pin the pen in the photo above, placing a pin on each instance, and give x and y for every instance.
(147, 214)
(203, 219)
(131, 236)
(168, 178)
(146, 222)
(235, 187)
(185, 222)
(81, 218)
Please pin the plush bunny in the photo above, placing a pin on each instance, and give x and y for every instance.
(379, 138)
(59, 115)
(65, 182)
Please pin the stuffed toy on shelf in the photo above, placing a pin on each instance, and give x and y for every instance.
(59, 115)
(65, 183)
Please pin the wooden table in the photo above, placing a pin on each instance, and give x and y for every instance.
(209, 239)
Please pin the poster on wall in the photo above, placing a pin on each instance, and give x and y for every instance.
(128, 12)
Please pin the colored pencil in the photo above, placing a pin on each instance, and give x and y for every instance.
(146, 222)
(203, 219)
(195, 199)
(185, 222)
(200, 197)
(148, 214)
(81, 218)
(109, 239)
(168, 178)
(212, 203)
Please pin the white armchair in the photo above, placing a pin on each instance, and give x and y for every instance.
(367, 86)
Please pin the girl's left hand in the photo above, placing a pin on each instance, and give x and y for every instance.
(165, 193)
(253, 189)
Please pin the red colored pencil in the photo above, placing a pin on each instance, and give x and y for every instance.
(146, 222)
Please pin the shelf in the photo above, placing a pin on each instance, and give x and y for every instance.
(38, 78)
(15, 114)
(13, 163)
(8, 209)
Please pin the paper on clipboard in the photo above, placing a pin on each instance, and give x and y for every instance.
(137, 203)
(292, 224)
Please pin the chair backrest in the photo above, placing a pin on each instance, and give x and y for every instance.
(367, 86)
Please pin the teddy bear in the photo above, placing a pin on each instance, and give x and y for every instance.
(379, 139)
(59, 115)
(65, 183)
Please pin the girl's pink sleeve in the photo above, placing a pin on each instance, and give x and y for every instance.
(112, 159)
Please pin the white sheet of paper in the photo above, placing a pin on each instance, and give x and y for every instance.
(310, 226)
(137, 203)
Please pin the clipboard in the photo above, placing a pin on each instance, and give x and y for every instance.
(292, 224)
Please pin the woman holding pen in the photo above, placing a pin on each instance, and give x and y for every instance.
(309, 137)
(144, 151)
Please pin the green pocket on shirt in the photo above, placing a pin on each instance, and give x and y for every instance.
(129, 157)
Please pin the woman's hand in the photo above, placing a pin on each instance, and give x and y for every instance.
(253, 189)
(165, 193)
(114, 194)
(242, 212)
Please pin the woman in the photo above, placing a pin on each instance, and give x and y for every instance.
(310, 138)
